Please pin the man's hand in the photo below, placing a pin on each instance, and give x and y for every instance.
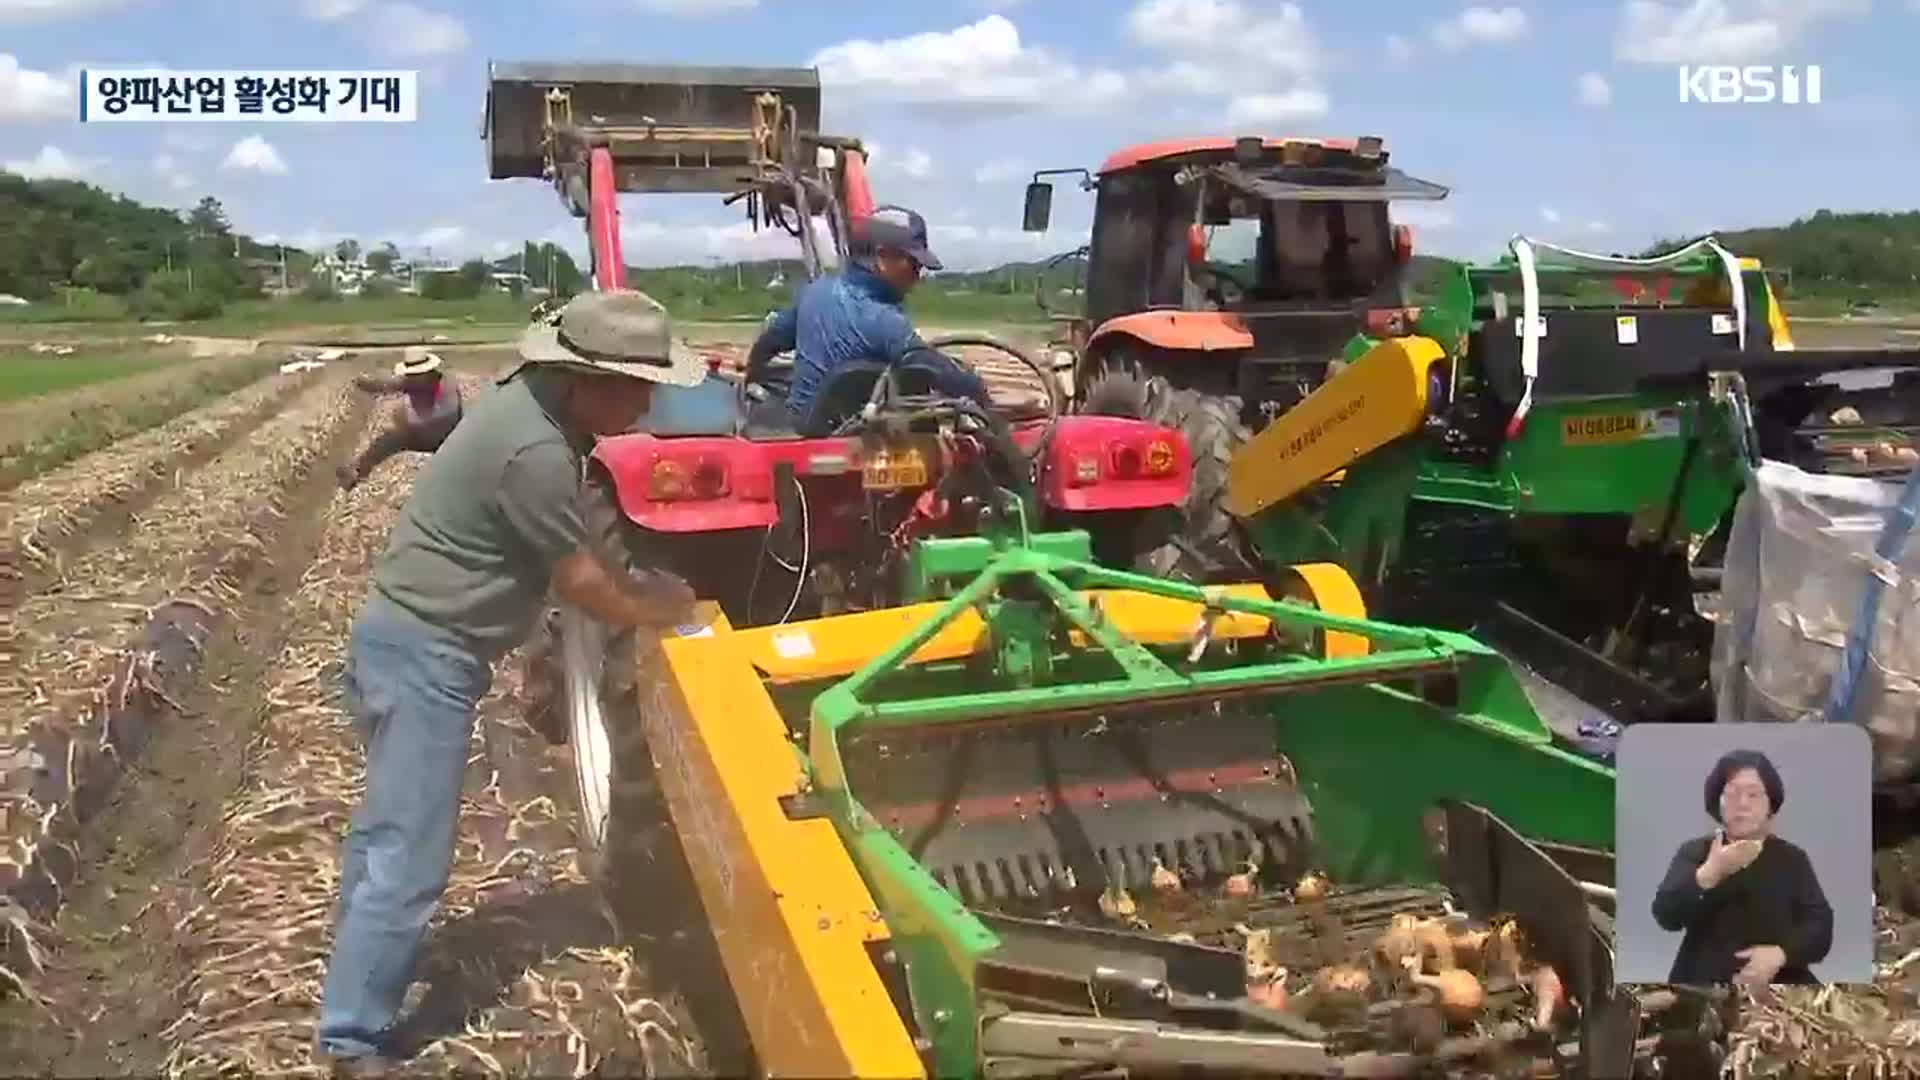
(1763, 963)
(1725, 860)
(666, 600)
(656, 599)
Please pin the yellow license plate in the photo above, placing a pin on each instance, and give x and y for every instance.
(1604, 428)
(891, 470)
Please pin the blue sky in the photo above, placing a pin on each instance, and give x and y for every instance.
(1559, 120)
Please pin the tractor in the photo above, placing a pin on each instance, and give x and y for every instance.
(1222, 278)
(1013, 808)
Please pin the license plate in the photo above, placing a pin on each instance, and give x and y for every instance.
(893, 469)
(1604, 428)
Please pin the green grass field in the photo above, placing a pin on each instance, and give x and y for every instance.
(27, 375)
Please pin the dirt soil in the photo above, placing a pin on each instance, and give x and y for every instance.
(197, 939)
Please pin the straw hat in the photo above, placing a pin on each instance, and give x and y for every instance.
(417, 361)
(620, 331)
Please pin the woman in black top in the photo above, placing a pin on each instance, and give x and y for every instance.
(1748, 900)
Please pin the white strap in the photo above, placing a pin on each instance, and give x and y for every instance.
(1529, 331)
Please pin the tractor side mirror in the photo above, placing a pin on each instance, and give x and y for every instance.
(1039, 207)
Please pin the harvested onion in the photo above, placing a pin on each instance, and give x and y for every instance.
(1342, 979)
(1459, 993)
(1310, 888)
(1258, 952)
(1469, 948)
(1117, 903)
(1269, 990)
(1398, 942)
(1548, 995)
(1165, 881)
(1243, 884)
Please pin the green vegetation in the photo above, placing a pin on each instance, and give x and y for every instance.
(1828, 262)
(34, 374)
(42, 434)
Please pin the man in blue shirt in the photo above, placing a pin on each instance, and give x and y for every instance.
(856, 315)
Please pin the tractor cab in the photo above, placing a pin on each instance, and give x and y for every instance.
(1225, 279)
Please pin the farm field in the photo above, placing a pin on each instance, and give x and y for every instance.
(175, 769)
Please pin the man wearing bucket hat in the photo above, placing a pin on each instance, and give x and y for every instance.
(493, 524)
(857, 315)
(420, 424)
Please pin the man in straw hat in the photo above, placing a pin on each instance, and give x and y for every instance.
(494, 522)
(420, 424)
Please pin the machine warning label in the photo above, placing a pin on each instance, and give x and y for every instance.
(1305, 440)
(1602, 428)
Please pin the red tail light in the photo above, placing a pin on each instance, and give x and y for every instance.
(1403, 244)
(672, 479)
(1196, 245)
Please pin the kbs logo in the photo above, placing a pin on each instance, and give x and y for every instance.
(1722, 84)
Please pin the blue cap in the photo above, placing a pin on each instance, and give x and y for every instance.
(894, 227)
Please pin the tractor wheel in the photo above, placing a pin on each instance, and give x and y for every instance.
(581, 680)
(1206, 545)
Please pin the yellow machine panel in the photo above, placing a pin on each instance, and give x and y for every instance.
(792, 916)
(1373, 401)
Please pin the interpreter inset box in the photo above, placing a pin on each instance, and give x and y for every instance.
(1743, 854)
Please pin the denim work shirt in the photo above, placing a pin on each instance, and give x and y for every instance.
(837, 319)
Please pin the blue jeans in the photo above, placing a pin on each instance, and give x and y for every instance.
(411, 690)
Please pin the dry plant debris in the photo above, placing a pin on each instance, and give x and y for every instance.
(40, 514)
(70, 658)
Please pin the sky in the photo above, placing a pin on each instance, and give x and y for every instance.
(1557, 120)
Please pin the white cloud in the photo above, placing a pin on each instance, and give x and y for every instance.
(408, 30)
(914, 163)
(1593, 90)
(1425, 215)
(399, 29)
(1549, 215)
(52, 163)
(1262, 57)
(999, 171)
(982, 65)
(187, 143)
(329, 10)
(695, 8)
(255, 154)
(29, 95)
(49, 10)
(1400, 48)
(1283, 108)
(1480, 25)
(1718, 31)
(441, 236)
(171, 172)
(1227, 32)
(1598, 227)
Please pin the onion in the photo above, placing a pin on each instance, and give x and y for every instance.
(1116, 903)
(1164, 880)
(1243, 884)
(1342, 979)
(1311, 888)
(1470, 948)
(1270, 990)
(1398, 942)
(1257, 953)
(1460, 995)
(1435, 942)
(1548, 995)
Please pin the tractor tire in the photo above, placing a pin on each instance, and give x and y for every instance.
(1206, 545)
(582, 690)
(584, 682)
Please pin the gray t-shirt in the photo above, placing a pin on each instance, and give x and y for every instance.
(491, 514)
